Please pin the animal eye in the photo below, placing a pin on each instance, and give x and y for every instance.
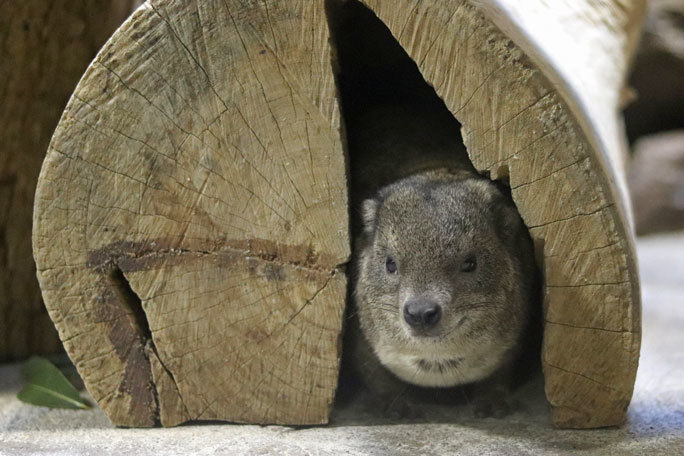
(469, 264)
(390, 265)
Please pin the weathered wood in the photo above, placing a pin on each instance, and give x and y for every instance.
(191, 217)
(192, 211)
(536, 87)
(46, 46)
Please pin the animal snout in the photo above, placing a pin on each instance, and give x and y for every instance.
(422, 313)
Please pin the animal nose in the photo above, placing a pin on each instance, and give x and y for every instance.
(422, 313)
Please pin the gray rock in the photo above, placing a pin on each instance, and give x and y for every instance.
(656, 180)
(658, 72)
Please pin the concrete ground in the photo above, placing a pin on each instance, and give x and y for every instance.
(655, 425)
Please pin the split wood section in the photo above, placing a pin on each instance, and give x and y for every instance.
(191, 215)
(46, 47)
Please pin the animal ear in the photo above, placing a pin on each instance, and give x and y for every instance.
(369, 213)
(506, 216)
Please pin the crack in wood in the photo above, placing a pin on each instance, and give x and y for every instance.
(588, 284)
(152, 351)
(132, 338)
(552, 173)
(591, 328)
(581, 214)
(189, 53)
(129, 332)
(134, 256)
(131, 301)
(621, 392)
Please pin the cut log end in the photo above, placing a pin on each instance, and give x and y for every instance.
(195, 269)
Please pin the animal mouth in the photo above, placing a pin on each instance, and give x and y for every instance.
(436, 334)
(439, 366)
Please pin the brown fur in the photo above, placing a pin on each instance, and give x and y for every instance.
(435, 214)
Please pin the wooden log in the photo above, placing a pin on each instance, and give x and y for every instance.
(46, 47)
(191, 215)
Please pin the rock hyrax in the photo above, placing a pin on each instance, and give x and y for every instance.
(444, 281)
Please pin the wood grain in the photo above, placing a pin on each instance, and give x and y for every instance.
(192, 217)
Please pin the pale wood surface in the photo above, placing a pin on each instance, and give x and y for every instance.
(199, 163)
(546, 119)
(196, 185)
(46, 47)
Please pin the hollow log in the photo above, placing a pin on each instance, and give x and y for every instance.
(191, 221)
(47, 46)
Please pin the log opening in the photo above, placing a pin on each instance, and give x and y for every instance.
(376, 81)
(374, 73)
(372, 68)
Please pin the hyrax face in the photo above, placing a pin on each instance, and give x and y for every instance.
(440, 292)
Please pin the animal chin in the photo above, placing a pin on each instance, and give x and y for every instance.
(439, 366)
(424, 370)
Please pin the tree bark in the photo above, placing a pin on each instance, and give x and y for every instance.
(47, 46)
(192, 220)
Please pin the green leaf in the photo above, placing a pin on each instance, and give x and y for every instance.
(48, 387)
